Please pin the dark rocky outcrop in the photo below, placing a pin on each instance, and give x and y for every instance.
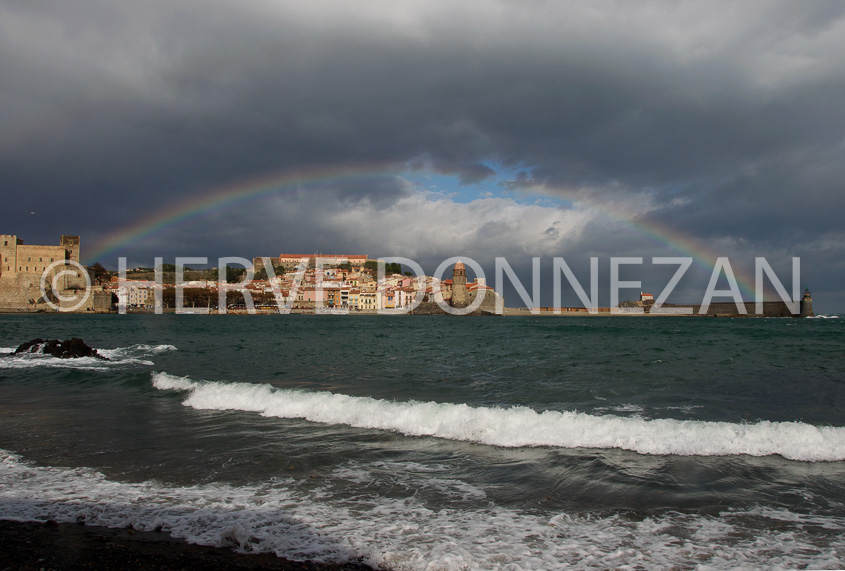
(70, 349)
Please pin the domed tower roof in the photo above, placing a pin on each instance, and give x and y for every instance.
(460, 265)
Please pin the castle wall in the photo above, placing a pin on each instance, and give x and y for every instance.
(36, 259)
(488, 302)
(432, 308)
(101, 301)
(21, 292)
(729, 309)
(22, 267)
(487, 306)
(97, 300)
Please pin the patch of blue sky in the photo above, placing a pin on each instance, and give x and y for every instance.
(494, 186)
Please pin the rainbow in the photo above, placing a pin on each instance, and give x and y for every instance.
(230, 195)
(225, 197)
(701, 255)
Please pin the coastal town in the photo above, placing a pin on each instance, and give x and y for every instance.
(308, 283)
(36, 278)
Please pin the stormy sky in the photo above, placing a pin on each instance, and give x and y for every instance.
(430, 130)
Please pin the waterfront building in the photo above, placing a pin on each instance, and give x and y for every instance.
(354, 299)
(368, 301)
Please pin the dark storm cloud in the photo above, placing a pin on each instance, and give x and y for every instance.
(784, 201)
(721, 116)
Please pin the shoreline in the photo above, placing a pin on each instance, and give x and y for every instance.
(509, 312)
(50, 545)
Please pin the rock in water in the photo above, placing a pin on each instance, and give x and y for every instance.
(71, 349)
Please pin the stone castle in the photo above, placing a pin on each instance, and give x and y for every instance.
(23, 266)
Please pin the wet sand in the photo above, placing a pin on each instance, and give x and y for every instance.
(35, 545)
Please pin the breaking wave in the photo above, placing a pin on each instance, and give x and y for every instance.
(518, 426)
(328, 525)
(136, 351)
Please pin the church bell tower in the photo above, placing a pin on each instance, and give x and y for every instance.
(459, 286)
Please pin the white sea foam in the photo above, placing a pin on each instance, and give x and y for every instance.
(135, 351)
(30, 361)
(410, 476)
(518, 426)
(132, 355)
(165, 382)
(333, 525)
(627, 407)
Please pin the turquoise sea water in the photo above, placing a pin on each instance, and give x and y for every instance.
(438, 442)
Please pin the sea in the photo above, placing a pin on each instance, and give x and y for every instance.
(439, 442)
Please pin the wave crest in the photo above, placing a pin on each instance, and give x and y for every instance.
(518, 426)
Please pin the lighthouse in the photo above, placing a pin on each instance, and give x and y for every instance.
(807, 304)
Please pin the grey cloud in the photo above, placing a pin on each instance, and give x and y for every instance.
(728, 118)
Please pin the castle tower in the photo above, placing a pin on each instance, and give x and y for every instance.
(807, 304)
(71, 244)
(460, 298)
(8, 255)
